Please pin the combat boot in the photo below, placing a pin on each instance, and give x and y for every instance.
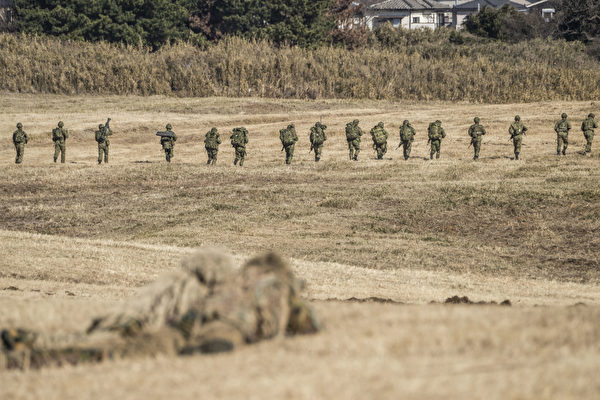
(516, 156)
(208, 162)
(431, 156)
(242, 162)
(356, 157)
(564, 152)
(235, 161)
(55, 159)
(168, 158)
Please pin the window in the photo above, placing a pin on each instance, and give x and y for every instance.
(416, 20)
(396, 22)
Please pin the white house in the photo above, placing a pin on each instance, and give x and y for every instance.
(413, 14)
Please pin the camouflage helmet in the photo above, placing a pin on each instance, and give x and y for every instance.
(438, 122)
(591, 115)
(19, 125)
(291, 126)
(405, 122)
(168, 127)
(380, 124)
(476, 120)
(563, 115)
(355, 122)
(60, 124)
(517, 118)
(100, 126)
(213, 130)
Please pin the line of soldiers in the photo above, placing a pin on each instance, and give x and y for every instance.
(317, 137)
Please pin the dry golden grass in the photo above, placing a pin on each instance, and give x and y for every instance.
(79, 238)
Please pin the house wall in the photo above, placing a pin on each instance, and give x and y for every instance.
(407, 19)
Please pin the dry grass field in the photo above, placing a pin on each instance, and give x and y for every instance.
(80, 238)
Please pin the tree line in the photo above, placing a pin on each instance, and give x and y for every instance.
(154, 23)
(306, 23)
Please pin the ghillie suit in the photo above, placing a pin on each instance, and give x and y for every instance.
(204, 307)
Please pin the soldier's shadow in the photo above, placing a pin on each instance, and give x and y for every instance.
(142, 162)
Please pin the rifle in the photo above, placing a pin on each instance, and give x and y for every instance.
(470, 143)
(282, 147)
(311, 148)
(105, 130)
(164, 134)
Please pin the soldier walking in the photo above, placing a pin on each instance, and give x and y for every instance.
(59, 137)
(288, 139)
(317, 138)
(476, 131)
(517, 129)
(20, 139)
(435, 133)
(407, 136)
(168, 142)
(587, 126)
(353, 134)
(212, 140)
(379, 136)
(562, 128)
(239, 139)
(101, 137)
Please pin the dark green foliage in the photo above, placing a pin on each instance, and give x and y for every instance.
(157, 22)
(148, 22)
(580, 20)
(508, 24)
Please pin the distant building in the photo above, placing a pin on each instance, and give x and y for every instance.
(7, 12)
(545, 8)
(432, 14)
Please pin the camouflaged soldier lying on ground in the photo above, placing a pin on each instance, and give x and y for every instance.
(206, 306)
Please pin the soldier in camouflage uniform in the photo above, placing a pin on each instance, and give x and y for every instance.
(435, 133)
(587, 126)
(101, 137)
(239, 139)
(379, 136)
(353, 134)
(476, 131)
(206, 306)
(288, 139)
(407, 136)
(317, 138)
(168, 142)
(212, 140)
(59, 137)
(562, 129)
(20, 139)
(517, 129)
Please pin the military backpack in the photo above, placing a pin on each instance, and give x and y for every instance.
(433, 132)
(379, 136)
(352, 132)
(287, 137)
(317, 136)
(588, 125)
(237, 139)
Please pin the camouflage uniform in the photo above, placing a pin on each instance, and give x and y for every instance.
(517, 130)
(20, 139)
(103, 142)
(435, 133)
(207, 306)
(239, 139)
(476, 131)
(317, 138)
(59, 137)
(212, 140)
(562, 129)
(288, 139)
(168, 142)
(379, 136)
(588, 126)
(407, 136)
(353, 134)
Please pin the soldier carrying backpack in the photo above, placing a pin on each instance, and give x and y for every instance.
(317, 138)
(353, 134)
(212, 140)
(379, 136)
(239, 139)
(435, 133)
(407, 135)
(288, 139)
(588, 126)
